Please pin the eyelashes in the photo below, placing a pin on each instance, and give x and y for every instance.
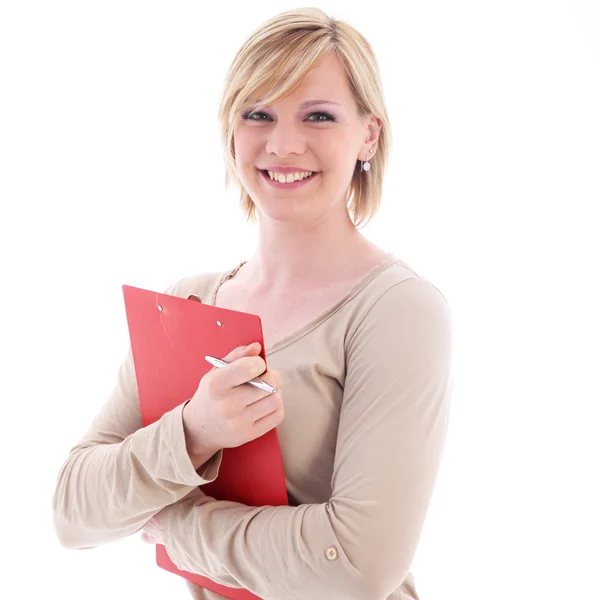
(248, 116)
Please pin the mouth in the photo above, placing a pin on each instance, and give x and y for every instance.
(290, 186)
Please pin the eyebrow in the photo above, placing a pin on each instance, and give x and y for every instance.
(309, 103)
(313, 102)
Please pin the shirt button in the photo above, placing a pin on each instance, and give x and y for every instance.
(331, 553)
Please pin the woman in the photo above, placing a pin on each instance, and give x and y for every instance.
(358, 345)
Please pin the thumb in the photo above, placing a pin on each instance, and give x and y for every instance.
(250, 350)
(241, 351)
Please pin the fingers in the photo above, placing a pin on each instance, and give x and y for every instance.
(231, 412)
(272, 377)
(265, 406)
(244, 366)
(270, 421)
(240, 351)
(237, 372)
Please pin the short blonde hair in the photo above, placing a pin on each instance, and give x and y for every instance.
(275, 60)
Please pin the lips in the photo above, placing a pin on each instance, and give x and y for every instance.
(288, 186)
(266, 174)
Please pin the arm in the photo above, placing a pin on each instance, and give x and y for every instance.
(120, 474)
(392, 429)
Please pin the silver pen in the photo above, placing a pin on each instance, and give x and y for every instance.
(256, 382)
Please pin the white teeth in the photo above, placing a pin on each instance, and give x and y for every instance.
(290, 177)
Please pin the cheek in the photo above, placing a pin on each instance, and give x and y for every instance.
(243, 139)
(247, 152)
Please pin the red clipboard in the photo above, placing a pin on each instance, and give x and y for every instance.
(169, 338)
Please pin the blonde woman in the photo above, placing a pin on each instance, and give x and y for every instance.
(359, 349)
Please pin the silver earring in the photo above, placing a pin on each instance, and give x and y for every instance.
(365, 166)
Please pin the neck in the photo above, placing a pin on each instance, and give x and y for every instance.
(292, 256)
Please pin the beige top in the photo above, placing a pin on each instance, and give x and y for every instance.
(366, 387)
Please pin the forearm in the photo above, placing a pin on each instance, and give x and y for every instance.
(273, 551)
(107, 492)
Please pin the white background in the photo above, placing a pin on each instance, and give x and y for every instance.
(111, 174)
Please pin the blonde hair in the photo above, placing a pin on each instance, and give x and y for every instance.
(275, 60)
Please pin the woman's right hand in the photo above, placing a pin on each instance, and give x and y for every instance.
(225, 412)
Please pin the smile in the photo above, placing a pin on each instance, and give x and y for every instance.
(288, 186)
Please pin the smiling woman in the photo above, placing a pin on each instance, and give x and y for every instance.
(358, 347)
(327, 145)
(319, 97)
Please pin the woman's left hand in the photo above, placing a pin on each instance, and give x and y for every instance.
(152, 532)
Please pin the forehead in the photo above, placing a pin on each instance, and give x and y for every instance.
(327, 81)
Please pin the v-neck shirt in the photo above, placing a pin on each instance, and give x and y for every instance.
(366, 387)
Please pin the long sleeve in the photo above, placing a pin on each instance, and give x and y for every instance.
(120, 474)
(392, 429)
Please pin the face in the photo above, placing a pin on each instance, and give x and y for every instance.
(325, 138)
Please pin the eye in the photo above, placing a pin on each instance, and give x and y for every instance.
(249, 116)
(327, 115)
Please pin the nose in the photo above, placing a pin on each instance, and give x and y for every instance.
(284, 138)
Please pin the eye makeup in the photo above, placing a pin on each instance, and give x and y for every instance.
(249, 116)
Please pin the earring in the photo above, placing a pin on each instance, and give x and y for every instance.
(365, 166)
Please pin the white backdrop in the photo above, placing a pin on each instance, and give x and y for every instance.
(111, 174)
